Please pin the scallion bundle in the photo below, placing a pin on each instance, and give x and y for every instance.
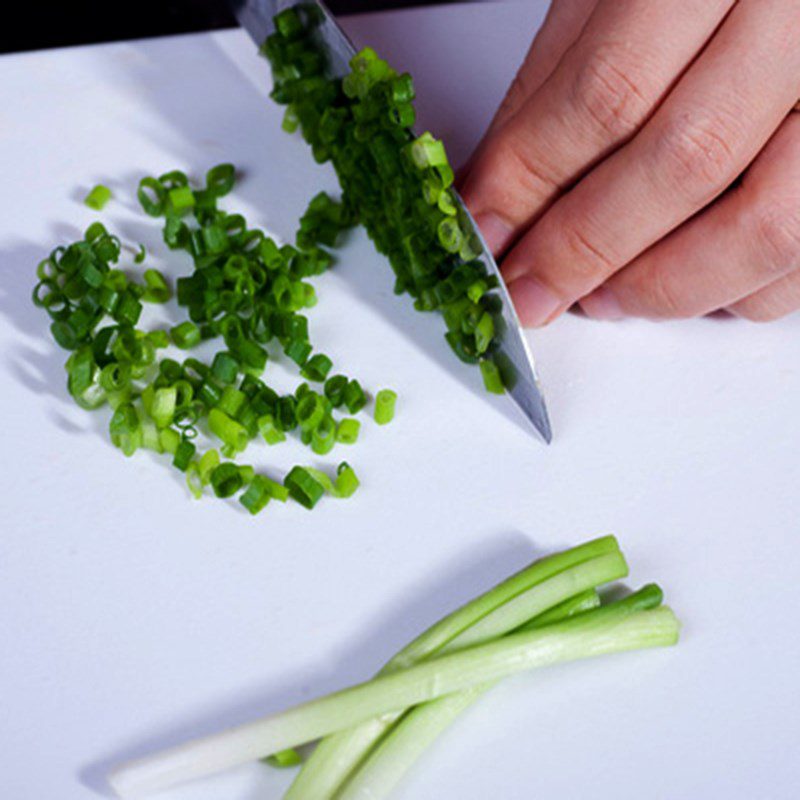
(372, 733)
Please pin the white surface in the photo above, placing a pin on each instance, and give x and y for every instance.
(132, 618)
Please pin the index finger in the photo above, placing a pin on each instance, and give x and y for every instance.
(604, 88)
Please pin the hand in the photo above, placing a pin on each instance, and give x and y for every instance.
(646, 162)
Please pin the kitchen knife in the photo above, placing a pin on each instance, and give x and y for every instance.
(514, 357)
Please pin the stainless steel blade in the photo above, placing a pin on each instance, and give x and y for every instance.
(514, 357)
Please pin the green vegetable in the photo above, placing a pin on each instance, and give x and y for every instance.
(399, 187)
(226, 480)
(157, 290)
(245, 290)
(304, 487)
(257, 496)
(439, 674)
(384, 406)
(98, 197)
(354, 397)
(588, 635)
(397, 752)
(228, 430)
(286, 758)
(186, 335)
(347, 430)
(491, 377)
(534, 590)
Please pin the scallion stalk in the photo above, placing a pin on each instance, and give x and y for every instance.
(398, 751)
(542, 585)
(600, 632)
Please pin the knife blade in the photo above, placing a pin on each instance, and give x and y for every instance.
(514, 357)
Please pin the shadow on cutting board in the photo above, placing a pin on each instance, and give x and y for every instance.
(435, 596)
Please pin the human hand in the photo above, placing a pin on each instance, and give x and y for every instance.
(645, 162)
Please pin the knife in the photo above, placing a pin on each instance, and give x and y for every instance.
(514, 358)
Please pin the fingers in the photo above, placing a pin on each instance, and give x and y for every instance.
(773, 302)
(748, 240)
(604, 88)
(562, 25)
(702, 137)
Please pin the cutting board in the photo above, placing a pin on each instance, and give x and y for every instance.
(132, 617)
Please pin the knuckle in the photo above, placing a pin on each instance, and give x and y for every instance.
(663, 297)
(525, 166)
(698, 151)
(613, 100)
(590, 262)
(778, 236)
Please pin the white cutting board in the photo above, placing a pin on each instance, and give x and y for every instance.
(132, 618)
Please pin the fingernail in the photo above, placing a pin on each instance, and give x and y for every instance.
(602, 304)
(496, 233)
(535, 303)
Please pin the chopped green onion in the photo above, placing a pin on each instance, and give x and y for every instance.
(384, 406)
(173, 179)
(298, 351)
(98, 197)
(316, 368)
(181, 199)
(269, 430)
(126, 429)
(492, 379)
(283, 759)
(310, 411)
(228, 430)
(232, 401)
(184, 454)
(346, 480)
(158, 338)
(276, 490)
(170, 440)
(335, 388)
(304, 488)
(225, 367)
(257, 495)
(244, 288)
(209, 461)
(347, 430)
(226, 479)
(323, 436)
(354, 397)
(186, 335)
(162, 407)
(152, 196)
(193, 481)
(220, 179)
(157, 290)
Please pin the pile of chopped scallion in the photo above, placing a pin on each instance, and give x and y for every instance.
(371, 734)
(399, 187)
(245, 290)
